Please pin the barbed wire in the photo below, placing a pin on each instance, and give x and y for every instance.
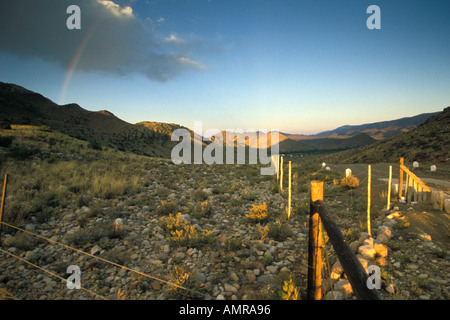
(51, 273)
(109, 262)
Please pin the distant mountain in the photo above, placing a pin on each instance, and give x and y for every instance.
(21, 106)
(341, 138)
(378, 130)
(429, 141)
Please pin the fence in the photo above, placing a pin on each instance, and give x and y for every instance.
(415, 189)
(355, 272)
(174, 285)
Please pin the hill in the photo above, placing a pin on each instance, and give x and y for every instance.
(24, 107)
(378, 130)
(429, 141)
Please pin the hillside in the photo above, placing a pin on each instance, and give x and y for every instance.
(24, 107)
(429, 141)
(378, 130)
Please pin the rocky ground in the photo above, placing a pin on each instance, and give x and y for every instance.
(222, 255)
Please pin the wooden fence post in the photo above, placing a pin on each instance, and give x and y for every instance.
(314, 290)
(289, 197)
(389, 189)
(400, 179)
(281, 174)
(368, 200)
(3, 201)
(353, 269)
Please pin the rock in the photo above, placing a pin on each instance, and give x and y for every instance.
(334, 295)
(220, 297)
(425, 237)
(382, 238)
(367, 251)
(229, 288)
(272, 269)
(156, 262)
(382, 262)
(344, 287)
(250, 275)
(364, 263)
(234, 277)
(264, 279)
(336, 270)
(385, 230)
(156, 285)
(69, 217)
(95, 249)
(30, 227)
(165, 248)
(354, 246)
(180, 255)
(390, 288)
(381, 249)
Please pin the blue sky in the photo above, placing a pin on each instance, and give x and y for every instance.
(297, 66)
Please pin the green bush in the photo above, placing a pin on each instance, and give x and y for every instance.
(95, 145)
(23, 153)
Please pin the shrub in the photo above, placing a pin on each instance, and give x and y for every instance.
(168, 207)
(181, 278)
(233, 244)
(290, 291)
(257, 213)
(23, 153)
(279, 231)
(5, 142)
(183, 233)
(95, 145)
(350, 182)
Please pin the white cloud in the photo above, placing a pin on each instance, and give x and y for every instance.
(189, 62)
(172, 38)
(116, 9)
(112, 39)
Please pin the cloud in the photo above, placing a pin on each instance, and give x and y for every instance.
(116, 9)
(112, 39)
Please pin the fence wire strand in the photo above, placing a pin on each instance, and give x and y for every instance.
(51, 273)
(104, 260)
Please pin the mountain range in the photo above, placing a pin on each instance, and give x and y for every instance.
(427, 142)
(21, 106)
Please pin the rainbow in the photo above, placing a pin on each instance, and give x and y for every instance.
(75, 59)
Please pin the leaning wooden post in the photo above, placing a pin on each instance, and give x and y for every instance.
(289, 197)
(368, 201)
(3, 200)
(314, 290)
(389, 189)
(400, 179)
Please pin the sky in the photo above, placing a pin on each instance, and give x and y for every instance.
(298, 66)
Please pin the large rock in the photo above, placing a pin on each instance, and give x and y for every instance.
(334, 295)
(384, 233)
(381, 249)
(367, 251)
(336, 270)
(344, 286)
